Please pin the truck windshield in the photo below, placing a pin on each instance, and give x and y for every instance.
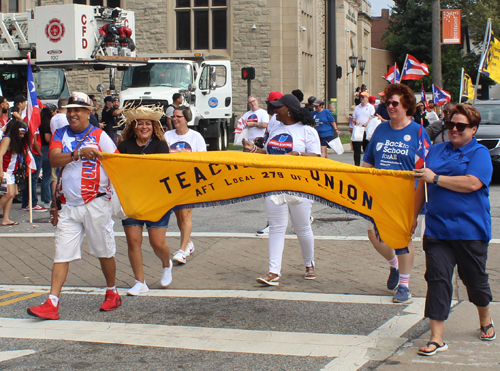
(50, 82)
(175, 75)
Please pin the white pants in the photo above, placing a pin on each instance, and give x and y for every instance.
(277, 216)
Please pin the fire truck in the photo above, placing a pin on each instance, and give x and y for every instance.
(73, 36)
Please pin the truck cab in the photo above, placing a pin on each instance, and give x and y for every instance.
(206, 89)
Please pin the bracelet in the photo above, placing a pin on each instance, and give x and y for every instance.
(79, 156)
(254, 149)
(299, 154)
(73, 156)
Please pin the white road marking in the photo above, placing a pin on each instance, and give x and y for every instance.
(349, 351)
(11, 354)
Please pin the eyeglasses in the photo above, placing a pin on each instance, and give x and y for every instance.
(393, 103)
(77, 100)
(450, 125)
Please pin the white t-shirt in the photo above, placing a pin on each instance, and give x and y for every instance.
(362, 114)
(256, 116)
(170, 112)
(58, 121)
(192, 141)
(297, 137)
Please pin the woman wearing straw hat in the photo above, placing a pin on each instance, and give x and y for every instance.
(143, 135)
(183, 139)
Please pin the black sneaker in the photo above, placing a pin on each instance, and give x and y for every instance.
(393, 280)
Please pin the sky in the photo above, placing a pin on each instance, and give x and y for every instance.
(378, 5)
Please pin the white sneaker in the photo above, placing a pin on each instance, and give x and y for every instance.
(189, 248)
(139, 288)
(180, 257)
(166, 276)
(311, 219)
(47, 205)
(263, 231)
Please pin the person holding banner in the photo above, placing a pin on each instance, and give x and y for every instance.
(394, 146)
(458, 224)
(143, 135)
(293, 135)
(184, 139)
(13, 148)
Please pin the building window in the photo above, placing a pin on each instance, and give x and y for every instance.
(201, 24)
(110, 3)
(13, 6)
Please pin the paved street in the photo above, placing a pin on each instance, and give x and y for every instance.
(215, 316)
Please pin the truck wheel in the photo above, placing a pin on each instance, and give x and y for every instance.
(219, 143)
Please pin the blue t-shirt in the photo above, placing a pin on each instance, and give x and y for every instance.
(394, 149)
(453, 215)
(323, 123)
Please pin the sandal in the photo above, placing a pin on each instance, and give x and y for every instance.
(484, 331)
(438, 348)
(310, 274)
(270, 279)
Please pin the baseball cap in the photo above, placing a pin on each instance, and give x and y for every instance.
(288, 100)
(51, 107)
(372, 99)
(109, 98)
(364, 94)
(431, 101)
(382, 94)
(274, 95)
(79, 100)
(318, 102)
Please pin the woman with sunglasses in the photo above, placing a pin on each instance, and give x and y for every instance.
(13, 148)
(143, 135)
(393, 146)
(458, 223)
(292, 135)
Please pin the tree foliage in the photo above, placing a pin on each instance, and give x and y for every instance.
(409, 32)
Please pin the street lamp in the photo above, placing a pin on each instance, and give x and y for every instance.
(362, 66)
(353, 60)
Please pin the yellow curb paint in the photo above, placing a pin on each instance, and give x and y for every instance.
(29, 296)
(11, 294)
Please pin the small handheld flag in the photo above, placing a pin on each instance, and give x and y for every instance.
(413, 69)
(440, 96)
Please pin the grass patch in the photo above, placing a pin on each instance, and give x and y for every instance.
(345, 139)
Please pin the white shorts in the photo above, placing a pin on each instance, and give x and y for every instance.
(10, 178)
(92, 220)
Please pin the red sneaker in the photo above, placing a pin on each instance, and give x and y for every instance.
(112, 301)
(45, 311)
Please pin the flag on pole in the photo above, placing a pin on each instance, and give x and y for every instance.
(423, 97)
(491, 63)
(423, 148)
(413, 69)
(440, 96)
(393, 78)
(467, 88)
(32, 114)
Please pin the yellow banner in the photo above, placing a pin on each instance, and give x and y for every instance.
(149, 186)
(491, 65)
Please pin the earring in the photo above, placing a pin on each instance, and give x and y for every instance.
(288, 113)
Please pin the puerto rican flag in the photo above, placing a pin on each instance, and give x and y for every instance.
(423, 148)
(32, 114)
(423, 97)
(413, 69)
(393, 78)
(242, 124)
(440, 96)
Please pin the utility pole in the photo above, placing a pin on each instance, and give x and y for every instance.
(332, 56)
(437, 76)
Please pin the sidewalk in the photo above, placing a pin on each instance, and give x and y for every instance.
(229, 263)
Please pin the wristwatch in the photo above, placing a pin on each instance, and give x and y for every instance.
(436, 179)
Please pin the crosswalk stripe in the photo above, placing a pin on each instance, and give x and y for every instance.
(15, 293)
(24, 297)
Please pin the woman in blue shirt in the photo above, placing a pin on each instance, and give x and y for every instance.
(325, 125)
(458, 223)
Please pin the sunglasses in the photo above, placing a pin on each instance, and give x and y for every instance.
(393, 103)
(23, 130)
(459, 125)
(76, 100)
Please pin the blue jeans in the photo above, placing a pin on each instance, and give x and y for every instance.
(34, 180)
(45, 190)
